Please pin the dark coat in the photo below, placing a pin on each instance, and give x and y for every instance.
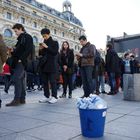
(112, 62)
(22, 49)
(67, 59)
(50, 54)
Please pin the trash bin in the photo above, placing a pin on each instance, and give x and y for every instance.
(92, 122)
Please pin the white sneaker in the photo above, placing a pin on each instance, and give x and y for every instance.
(45, 100)
(53, 100)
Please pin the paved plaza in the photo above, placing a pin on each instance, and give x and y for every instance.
(60, 121)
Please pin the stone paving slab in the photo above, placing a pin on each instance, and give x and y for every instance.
(60, 121)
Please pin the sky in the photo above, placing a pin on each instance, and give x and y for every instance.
(104, 17)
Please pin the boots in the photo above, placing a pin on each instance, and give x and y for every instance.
(63, 95)
(15, 102)
(22, 101)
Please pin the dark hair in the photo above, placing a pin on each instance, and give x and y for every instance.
(67, 44)
(110, 46)
(45, 31)
(82, 38)
(126, 54)
(132, 55)
(18, 26)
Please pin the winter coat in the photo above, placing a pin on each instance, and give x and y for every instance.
(50, 56)
(88, 52)
(22, 49)
(112, 62)
(68, 60)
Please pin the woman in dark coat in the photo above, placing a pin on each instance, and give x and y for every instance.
(67, 62)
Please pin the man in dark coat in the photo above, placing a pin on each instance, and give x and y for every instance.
(112, 67)
(18, 63)
(48, 66)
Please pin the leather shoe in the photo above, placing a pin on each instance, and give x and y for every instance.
(15, 102)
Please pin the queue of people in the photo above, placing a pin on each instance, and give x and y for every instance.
(53, 67)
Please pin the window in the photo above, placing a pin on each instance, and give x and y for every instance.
(9, 15)
(75, 47)
(35, 25)
(73, 37)
(22, 20)
(54, 21)
(22, 7)
(35, 39)
(54, 31)
(63, 25)
(63, 34)
(8, 1)
(34, 12)
(45, 17)
(8, 33)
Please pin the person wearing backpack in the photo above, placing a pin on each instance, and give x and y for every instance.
(18, 63)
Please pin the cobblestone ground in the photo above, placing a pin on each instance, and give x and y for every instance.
(60, 121)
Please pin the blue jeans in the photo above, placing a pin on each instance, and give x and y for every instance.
(112, 81)
(86, 73)
(19, 78)
(102, 82)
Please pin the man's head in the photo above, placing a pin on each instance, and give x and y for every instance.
(45, 33)
(127, 56)
(109, 46)
(83, 40)
(18, 29)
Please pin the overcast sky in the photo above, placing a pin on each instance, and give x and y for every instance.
(104, 17)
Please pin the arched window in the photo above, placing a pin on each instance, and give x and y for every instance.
(35, 39)
(8, 33)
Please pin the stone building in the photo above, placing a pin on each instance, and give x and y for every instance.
(35, 16)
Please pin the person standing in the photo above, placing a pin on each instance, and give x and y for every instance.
(86, 61)
(3, 55)
(23, 49)
(48, 64)
(67, 63)
(112, 67)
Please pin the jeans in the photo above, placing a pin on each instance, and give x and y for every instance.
(49, 78)
(19, 79)
(86, 73)
(102, 82)
(67, 82)
(112, 81)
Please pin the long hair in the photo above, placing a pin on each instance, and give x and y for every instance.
(63, 49)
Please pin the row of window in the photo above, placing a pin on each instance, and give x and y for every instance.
(8, 33)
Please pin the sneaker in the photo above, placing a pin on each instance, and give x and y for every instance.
(45, 100)
(53, 100)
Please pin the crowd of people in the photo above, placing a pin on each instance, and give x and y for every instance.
(54, 67)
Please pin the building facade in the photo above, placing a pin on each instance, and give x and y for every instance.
(35, 16)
